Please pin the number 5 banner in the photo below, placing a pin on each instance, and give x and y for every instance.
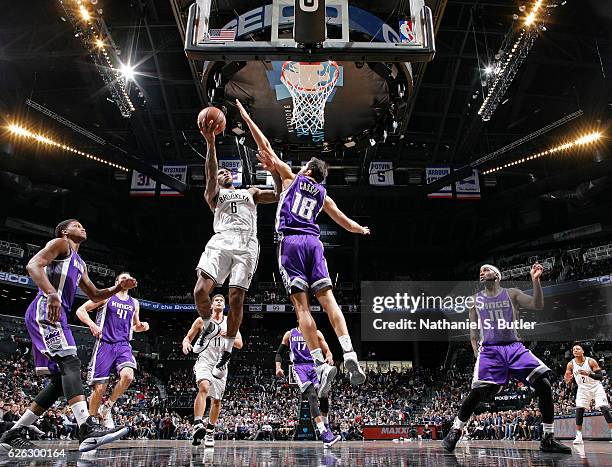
(381, 173)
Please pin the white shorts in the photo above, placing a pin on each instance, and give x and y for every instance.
(230, 254)
(203, 370)
(584, 397)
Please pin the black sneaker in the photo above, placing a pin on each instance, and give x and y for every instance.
(451, 439)
(15, 439)
(219, 370)
(550, 444)
(199, 431)
(206, 336)
(92, 435)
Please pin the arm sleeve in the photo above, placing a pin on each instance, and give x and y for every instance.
(598, 375)
(281, 352)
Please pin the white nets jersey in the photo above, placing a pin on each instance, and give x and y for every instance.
(583, 381)
(216, 345)
(235, 211)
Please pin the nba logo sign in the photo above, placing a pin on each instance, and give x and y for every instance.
(406, 30)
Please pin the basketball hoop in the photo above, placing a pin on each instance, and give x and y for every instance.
(309, 84)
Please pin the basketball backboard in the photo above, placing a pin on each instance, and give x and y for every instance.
(352, 34)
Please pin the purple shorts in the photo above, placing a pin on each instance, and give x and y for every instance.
(305, 375)
(49, 340)
(302, 264)
(107, 358)
(496, 364)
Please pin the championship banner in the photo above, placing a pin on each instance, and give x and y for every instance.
(275, 307)
(469, 187)
(381, 173)
(434, 173)
(176, 171)
(235, 167)
(142, 185)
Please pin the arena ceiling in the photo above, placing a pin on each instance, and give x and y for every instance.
(566, 71)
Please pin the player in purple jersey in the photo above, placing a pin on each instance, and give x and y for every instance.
(58, 271)
(116, 319)
(305, 376)
(302, 261)
(500, 354)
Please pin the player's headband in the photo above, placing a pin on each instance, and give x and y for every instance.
(494, 269)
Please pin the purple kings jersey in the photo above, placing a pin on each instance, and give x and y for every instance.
(491, 312)
(115, 318)
(65, 275)
(298, 207)
(299, 350)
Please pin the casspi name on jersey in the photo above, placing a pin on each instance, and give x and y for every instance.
(313, 190)
(235, 196)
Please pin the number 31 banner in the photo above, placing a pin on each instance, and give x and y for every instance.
(142, 185)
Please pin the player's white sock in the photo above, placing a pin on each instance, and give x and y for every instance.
(458, 424)
(345, 342)
(317, 355)
(80, 412)
(26, 419)
(229, 343)
(321, 427)
(325, 420)
(548, 427)
(578, 434)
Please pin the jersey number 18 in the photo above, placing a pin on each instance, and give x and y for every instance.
(303, 206)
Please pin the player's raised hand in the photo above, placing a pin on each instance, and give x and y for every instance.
(243, 113)
(365, 230)
(536, 271)
(280, 373)
(187, 347)
(54, 307)
(127, 283)
(207, 130)
(267, 159)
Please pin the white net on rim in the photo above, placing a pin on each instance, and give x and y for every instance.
(309, 84)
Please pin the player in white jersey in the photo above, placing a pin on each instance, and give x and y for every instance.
(209, 349)
(233, 250)
(588, 376)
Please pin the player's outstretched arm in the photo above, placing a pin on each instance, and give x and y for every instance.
(193, 331)
(273, 164)
(332, 210)
(260, 139)
(211, 166)
(99, 295)
(83, 315)
(535, 301)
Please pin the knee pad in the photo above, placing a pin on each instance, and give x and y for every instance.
(313, 400)
(324, 404)
(579, 416)
(70, 367)
(605, 410)
(51, 393)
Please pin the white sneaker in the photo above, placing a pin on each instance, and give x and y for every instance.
(326, 374)
(209, 439)
(206, 336)
(578, 440)
(105, 413)
(351, 363)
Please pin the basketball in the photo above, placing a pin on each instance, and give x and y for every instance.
(212, 113)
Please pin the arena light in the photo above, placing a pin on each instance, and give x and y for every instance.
(582, 141)
(127, 71)
(532, 14)
(100, 43)
(84, 13)
(25, 133)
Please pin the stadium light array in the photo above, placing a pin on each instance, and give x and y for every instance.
(582, 141)
(25, 133)
(532, 14)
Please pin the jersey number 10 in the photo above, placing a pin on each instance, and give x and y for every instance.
(303, 206)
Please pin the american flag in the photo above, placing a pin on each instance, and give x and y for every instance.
(222, 35)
